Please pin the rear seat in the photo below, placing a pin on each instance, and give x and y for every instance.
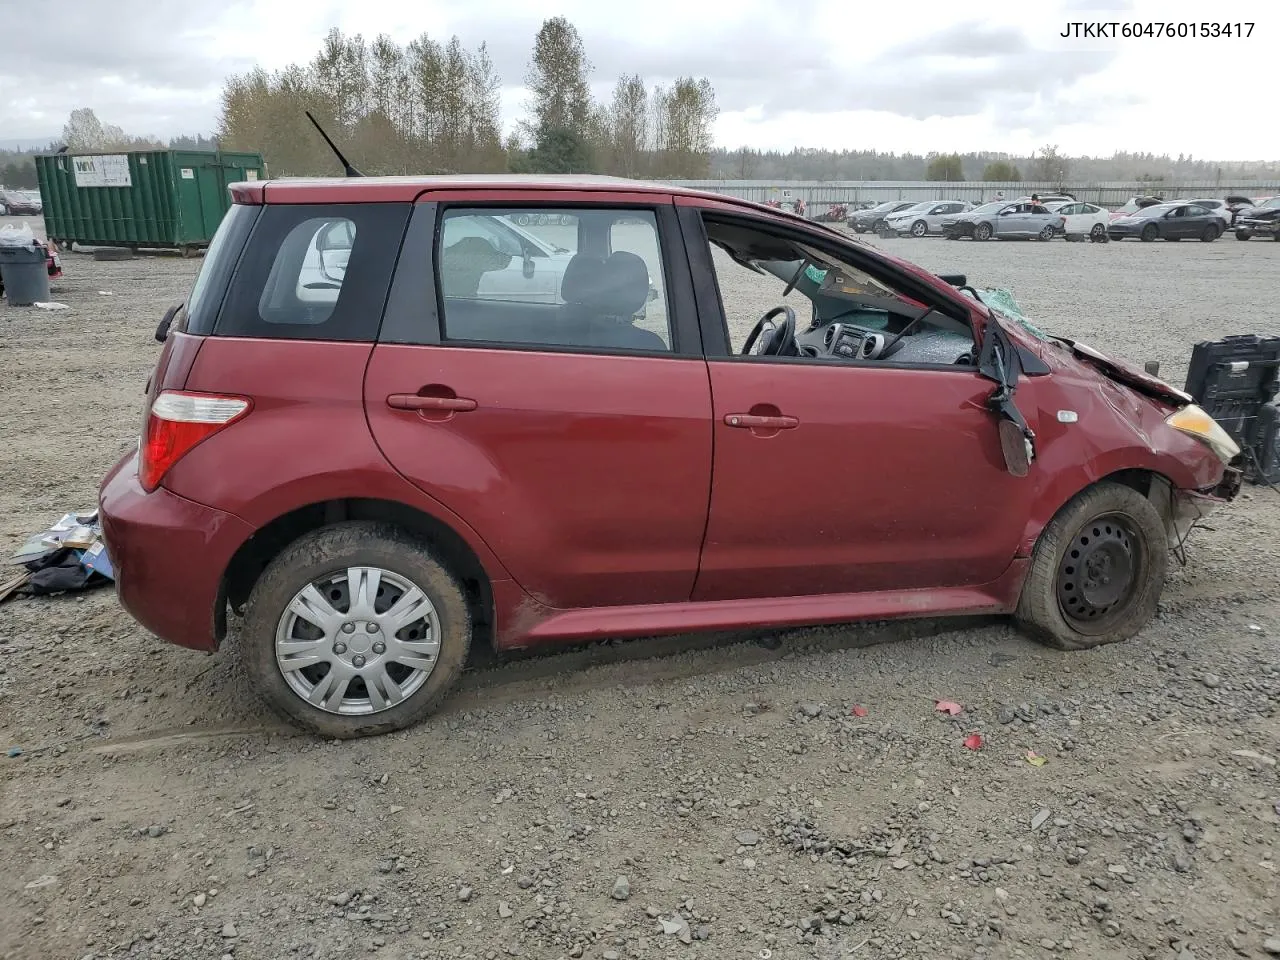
(601, 297)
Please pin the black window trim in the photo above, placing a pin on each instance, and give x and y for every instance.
(715, 325)
(414, 312)
(222, 273)
(311, 211)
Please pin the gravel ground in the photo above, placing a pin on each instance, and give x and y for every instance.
(691, 797)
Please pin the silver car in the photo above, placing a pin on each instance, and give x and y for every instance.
(926, 216)
(1005, 221)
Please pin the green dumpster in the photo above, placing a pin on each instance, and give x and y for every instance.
(164, 199)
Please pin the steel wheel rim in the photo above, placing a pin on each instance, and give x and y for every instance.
(358, 641)
(1099, 574)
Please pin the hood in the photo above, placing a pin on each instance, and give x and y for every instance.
(1260, 213)
(1129, 375)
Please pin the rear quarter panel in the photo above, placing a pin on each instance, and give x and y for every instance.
(305, 441)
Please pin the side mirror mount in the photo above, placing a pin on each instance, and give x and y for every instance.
(162, 331)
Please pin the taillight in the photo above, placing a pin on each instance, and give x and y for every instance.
(177, 422)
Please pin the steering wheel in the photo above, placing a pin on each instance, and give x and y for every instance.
(774, 340)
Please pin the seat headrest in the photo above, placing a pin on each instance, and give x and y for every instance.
(627, 279)
(581, 283)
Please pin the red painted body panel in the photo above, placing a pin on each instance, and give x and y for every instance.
(587, 474)
(305, 442)
(169, 555)
(892, 480)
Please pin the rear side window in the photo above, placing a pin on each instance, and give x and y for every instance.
(315, 272)
(215, 270)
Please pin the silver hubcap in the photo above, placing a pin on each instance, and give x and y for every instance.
(358, 641)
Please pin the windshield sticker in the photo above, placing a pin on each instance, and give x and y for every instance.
(814, 274)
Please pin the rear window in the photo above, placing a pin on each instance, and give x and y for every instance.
(315, 272)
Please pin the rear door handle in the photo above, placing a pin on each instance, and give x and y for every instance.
(751, 421)
(411, 401)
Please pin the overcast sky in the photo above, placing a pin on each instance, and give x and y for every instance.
(904, 76)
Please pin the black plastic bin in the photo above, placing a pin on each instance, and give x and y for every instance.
(1235, 379)
(24, 272)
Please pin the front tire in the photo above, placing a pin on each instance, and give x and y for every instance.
(982, 232)
(919, 228)
(354, 630)
(1097, 571)
(1097, 232)
(1150, 232)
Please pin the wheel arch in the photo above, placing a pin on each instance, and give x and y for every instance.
(256, 553)
(1152, 484)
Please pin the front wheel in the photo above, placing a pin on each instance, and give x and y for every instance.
(983, 232)
(1150, 232)
(1097, 570)
(355, 629)
(1097, 232)
(1245, 235)
(919, 228)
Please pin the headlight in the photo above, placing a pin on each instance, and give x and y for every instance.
(1195, 422)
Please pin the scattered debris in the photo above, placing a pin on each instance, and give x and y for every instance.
(621, 889)
(50, 305)
(949, 707)
(974, 741)
(68, 556)
(858, 711)
(1035, 759)
(1040, 819)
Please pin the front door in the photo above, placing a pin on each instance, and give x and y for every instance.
(574, 436)
(838, 476)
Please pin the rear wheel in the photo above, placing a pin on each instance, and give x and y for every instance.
(1046, 233)
(982, 232)
(1098, 232)
(355, 629)
(1097, 571)
(1245, 235)
(1150, 232)
(1209, 235)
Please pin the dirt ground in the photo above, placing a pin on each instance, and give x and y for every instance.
(155, 810)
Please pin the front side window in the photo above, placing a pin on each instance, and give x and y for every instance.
(758, 270)
(583, 278)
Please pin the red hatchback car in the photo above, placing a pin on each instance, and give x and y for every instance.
(389, 420)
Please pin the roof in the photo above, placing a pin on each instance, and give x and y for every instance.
(403, 189)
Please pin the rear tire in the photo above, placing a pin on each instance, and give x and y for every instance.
(1098, 232)
(1209, 235)
(1245, 235)
(316, 558)
(1097, 571)
(1047, 233)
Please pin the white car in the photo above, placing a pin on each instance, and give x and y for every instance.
(1083, 219)
(926, 216)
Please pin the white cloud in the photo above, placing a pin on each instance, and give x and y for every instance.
(909, 76)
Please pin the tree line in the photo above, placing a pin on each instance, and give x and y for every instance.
(1047, 163)
(432, 107)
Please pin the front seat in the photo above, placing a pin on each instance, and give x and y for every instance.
(624, 290)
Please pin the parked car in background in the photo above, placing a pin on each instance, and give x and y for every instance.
(433, 469)
(1260, 220)
(1217, 206)
(925, 217)
(1085, 219)
(1237, 202)
(1133, 205)
(1048, 199)
(871, 220)
(16, 204)
(1019, 220)
(1169, 221)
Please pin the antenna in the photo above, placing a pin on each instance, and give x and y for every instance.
(347, 167)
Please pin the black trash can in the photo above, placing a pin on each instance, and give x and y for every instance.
(24, 272)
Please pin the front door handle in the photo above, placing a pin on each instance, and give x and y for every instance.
(751, 421)
(413, 401)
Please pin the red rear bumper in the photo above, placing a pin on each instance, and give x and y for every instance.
(168, 555)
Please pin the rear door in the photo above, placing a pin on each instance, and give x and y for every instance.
(574, 435)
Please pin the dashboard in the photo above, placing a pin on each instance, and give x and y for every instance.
(852, 343)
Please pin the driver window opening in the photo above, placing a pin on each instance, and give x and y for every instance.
(784, 298)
